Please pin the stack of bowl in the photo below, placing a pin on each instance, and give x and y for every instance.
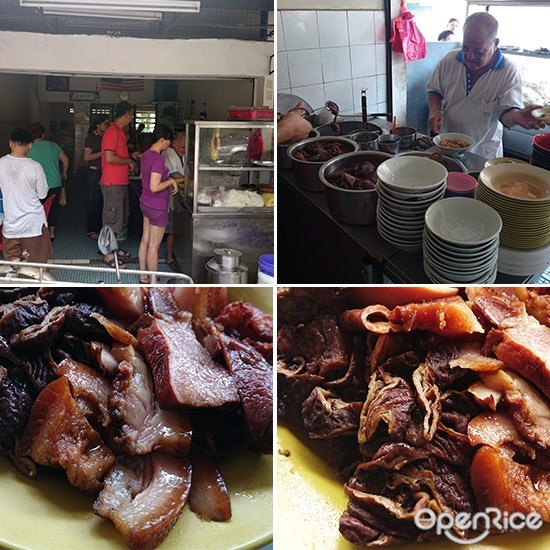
(540, 155)
(461, 240)
(407, 186)
(520, 193)
(515, 261)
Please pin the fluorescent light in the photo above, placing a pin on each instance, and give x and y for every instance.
(192, 6)
(108, 14)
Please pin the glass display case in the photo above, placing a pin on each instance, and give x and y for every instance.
(229, 166)
(227, 194)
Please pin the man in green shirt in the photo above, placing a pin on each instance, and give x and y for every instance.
(49, 154)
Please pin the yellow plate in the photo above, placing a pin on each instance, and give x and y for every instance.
(310, 500)
(49, 514)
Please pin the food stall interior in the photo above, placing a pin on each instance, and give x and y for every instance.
(315, 244)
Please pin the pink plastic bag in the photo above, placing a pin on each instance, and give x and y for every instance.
(406, 38)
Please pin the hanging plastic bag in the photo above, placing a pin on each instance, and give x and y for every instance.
(406, 38)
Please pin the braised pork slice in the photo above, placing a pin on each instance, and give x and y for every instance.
(209, 497)
(59, 435)
(144, 497)
(526, 349)
(184, 373)
(89, 388)
(253, 377)
(141, 426)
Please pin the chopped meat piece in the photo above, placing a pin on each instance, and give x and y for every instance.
(326, 416)
(123, 302)
(538, 304)
(292, 390)
(208, 497)
(470, 356)
(358, 176)
(142, 426)
(115, 331)
(323, 345)
(81, 323)
(201, 302)
(299, 305)
(184, 373)
(145, 497)
(58, 435)
(526, 349)
(89, 389)
(501, 483)
(253, 378)
(450, 317)
(321, 151)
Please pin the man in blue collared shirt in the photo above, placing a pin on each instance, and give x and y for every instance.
(475, 90)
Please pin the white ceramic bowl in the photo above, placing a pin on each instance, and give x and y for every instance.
(463, 221)
(453, 151)
(410, 174)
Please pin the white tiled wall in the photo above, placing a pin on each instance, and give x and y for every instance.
(332, 55)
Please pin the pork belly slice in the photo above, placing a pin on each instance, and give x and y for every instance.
(209, 497)
(253, 377)
(89, 389)
(201, 302)
(125, 302)
(501, 483)
(141, 426)
(184, 373)
(59, 435)
(449, 317)
(144, 497)
(525, 349)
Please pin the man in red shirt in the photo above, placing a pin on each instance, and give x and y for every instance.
(116, 164)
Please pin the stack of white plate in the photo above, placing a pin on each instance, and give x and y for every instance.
(461, 241)
(520, 193)
(515, 261)
(406, 187)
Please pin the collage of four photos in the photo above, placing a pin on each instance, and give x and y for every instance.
(274, 274)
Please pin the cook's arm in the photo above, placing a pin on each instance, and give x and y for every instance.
(522, 117)
(435, 117)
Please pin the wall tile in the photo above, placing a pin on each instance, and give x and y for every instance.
(305, 67)
(379, 27)
(361, 27)
(333, 28)
(301, 30)
(281, 45)
(363, 61)
(283, 78)
(341, 93)
(336, 64)
(380, 58)
(314, 95)
(381, 89)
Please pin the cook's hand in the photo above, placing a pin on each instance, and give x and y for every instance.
(293, 126)
(524, 118)
(435, 122)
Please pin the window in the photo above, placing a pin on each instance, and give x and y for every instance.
(102, 109)
(147, 115)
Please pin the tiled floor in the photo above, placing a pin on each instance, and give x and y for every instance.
(72, 246)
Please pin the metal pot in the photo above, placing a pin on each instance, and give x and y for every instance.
(407, 135)
(284, 162)
(226, 268)
(306, 172)
(389, 143)
(368, 141)
(353, 206)
(346, 127)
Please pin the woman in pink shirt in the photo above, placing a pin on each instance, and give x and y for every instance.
(156, 187)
